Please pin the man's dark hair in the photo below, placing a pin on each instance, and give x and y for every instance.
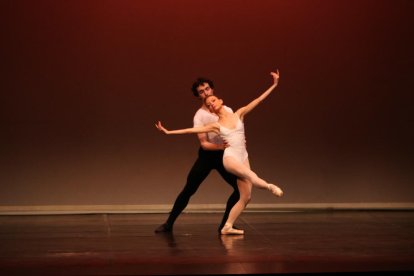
(199, 82)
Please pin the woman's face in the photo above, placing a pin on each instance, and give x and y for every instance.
(214, 103)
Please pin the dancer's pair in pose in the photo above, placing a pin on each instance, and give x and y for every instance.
(230, 127)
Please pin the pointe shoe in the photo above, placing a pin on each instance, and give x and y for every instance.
(221, 227)
(227, 230)
(275, 190)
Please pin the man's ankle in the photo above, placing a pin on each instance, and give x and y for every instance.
(163, 228)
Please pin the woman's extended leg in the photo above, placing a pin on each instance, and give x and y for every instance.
(243, 171)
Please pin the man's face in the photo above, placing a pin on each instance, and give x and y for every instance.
(204, 90)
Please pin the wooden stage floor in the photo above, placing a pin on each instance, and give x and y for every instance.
(311, 242)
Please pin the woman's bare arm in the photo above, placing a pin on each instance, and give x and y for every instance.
(207, 128)
(249, 107)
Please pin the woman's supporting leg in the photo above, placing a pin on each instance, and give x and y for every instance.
(245, 189)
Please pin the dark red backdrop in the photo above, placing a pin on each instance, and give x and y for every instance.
(84, 81)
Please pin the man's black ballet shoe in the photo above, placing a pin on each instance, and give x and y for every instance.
(163, 228)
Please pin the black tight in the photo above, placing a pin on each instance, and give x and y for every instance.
(205, 163)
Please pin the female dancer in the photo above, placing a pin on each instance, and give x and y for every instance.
(230, 127)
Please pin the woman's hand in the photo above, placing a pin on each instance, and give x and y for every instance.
(161, 128)
(275, 77)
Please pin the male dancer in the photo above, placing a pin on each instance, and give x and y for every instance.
(210, 156)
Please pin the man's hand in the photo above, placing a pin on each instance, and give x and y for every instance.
(225, 145)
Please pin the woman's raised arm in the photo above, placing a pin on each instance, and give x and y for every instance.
(249, 107)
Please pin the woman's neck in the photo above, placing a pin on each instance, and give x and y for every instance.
(222, 112)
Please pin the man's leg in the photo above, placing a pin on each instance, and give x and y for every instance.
(196, 176)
